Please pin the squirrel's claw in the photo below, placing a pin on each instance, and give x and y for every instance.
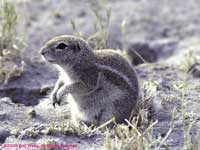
(54, 100)
(54, 104)
(58, 102)
(59, 97)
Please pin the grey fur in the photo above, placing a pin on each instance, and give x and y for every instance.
(104, 84)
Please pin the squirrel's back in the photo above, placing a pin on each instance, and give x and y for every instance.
(115, 62)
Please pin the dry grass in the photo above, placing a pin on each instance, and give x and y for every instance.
(11, 47)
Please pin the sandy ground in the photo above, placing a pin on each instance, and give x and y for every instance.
(156, 24)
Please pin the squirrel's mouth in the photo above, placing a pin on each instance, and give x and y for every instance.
(51, 60)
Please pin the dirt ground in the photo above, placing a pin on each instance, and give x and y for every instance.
(161, 30)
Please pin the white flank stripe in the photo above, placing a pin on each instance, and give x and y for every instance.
(125, 78)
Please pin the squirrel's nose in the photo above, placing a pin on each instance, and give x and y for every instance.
(43, 51)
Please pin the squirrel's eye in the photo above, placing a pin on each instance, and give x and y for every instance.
(61, 46)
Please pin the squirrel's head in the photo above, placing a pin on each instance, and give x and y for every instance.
(66, 50)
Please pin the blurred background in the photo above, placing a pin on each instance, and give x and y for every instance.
(161, 26)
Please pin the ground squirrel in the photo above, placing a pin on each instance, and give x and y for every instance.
(103, 83)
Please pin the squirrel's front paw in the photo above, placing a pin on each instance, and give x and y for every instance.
(59, 96)
(54, 99)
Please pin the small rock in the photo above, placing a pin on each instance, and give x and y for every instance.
(45, 89)
(3, 135)
(58, 15)
(195, 70)
(3, 115)
(6, 100)
(164, 84)
(32, 113)
(15, 132)
(30, 132)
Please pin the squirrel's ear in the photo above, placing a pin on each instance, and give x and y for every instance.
(76, 47)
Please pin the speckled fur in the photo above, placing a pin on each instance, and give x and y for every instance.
(109, 85)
